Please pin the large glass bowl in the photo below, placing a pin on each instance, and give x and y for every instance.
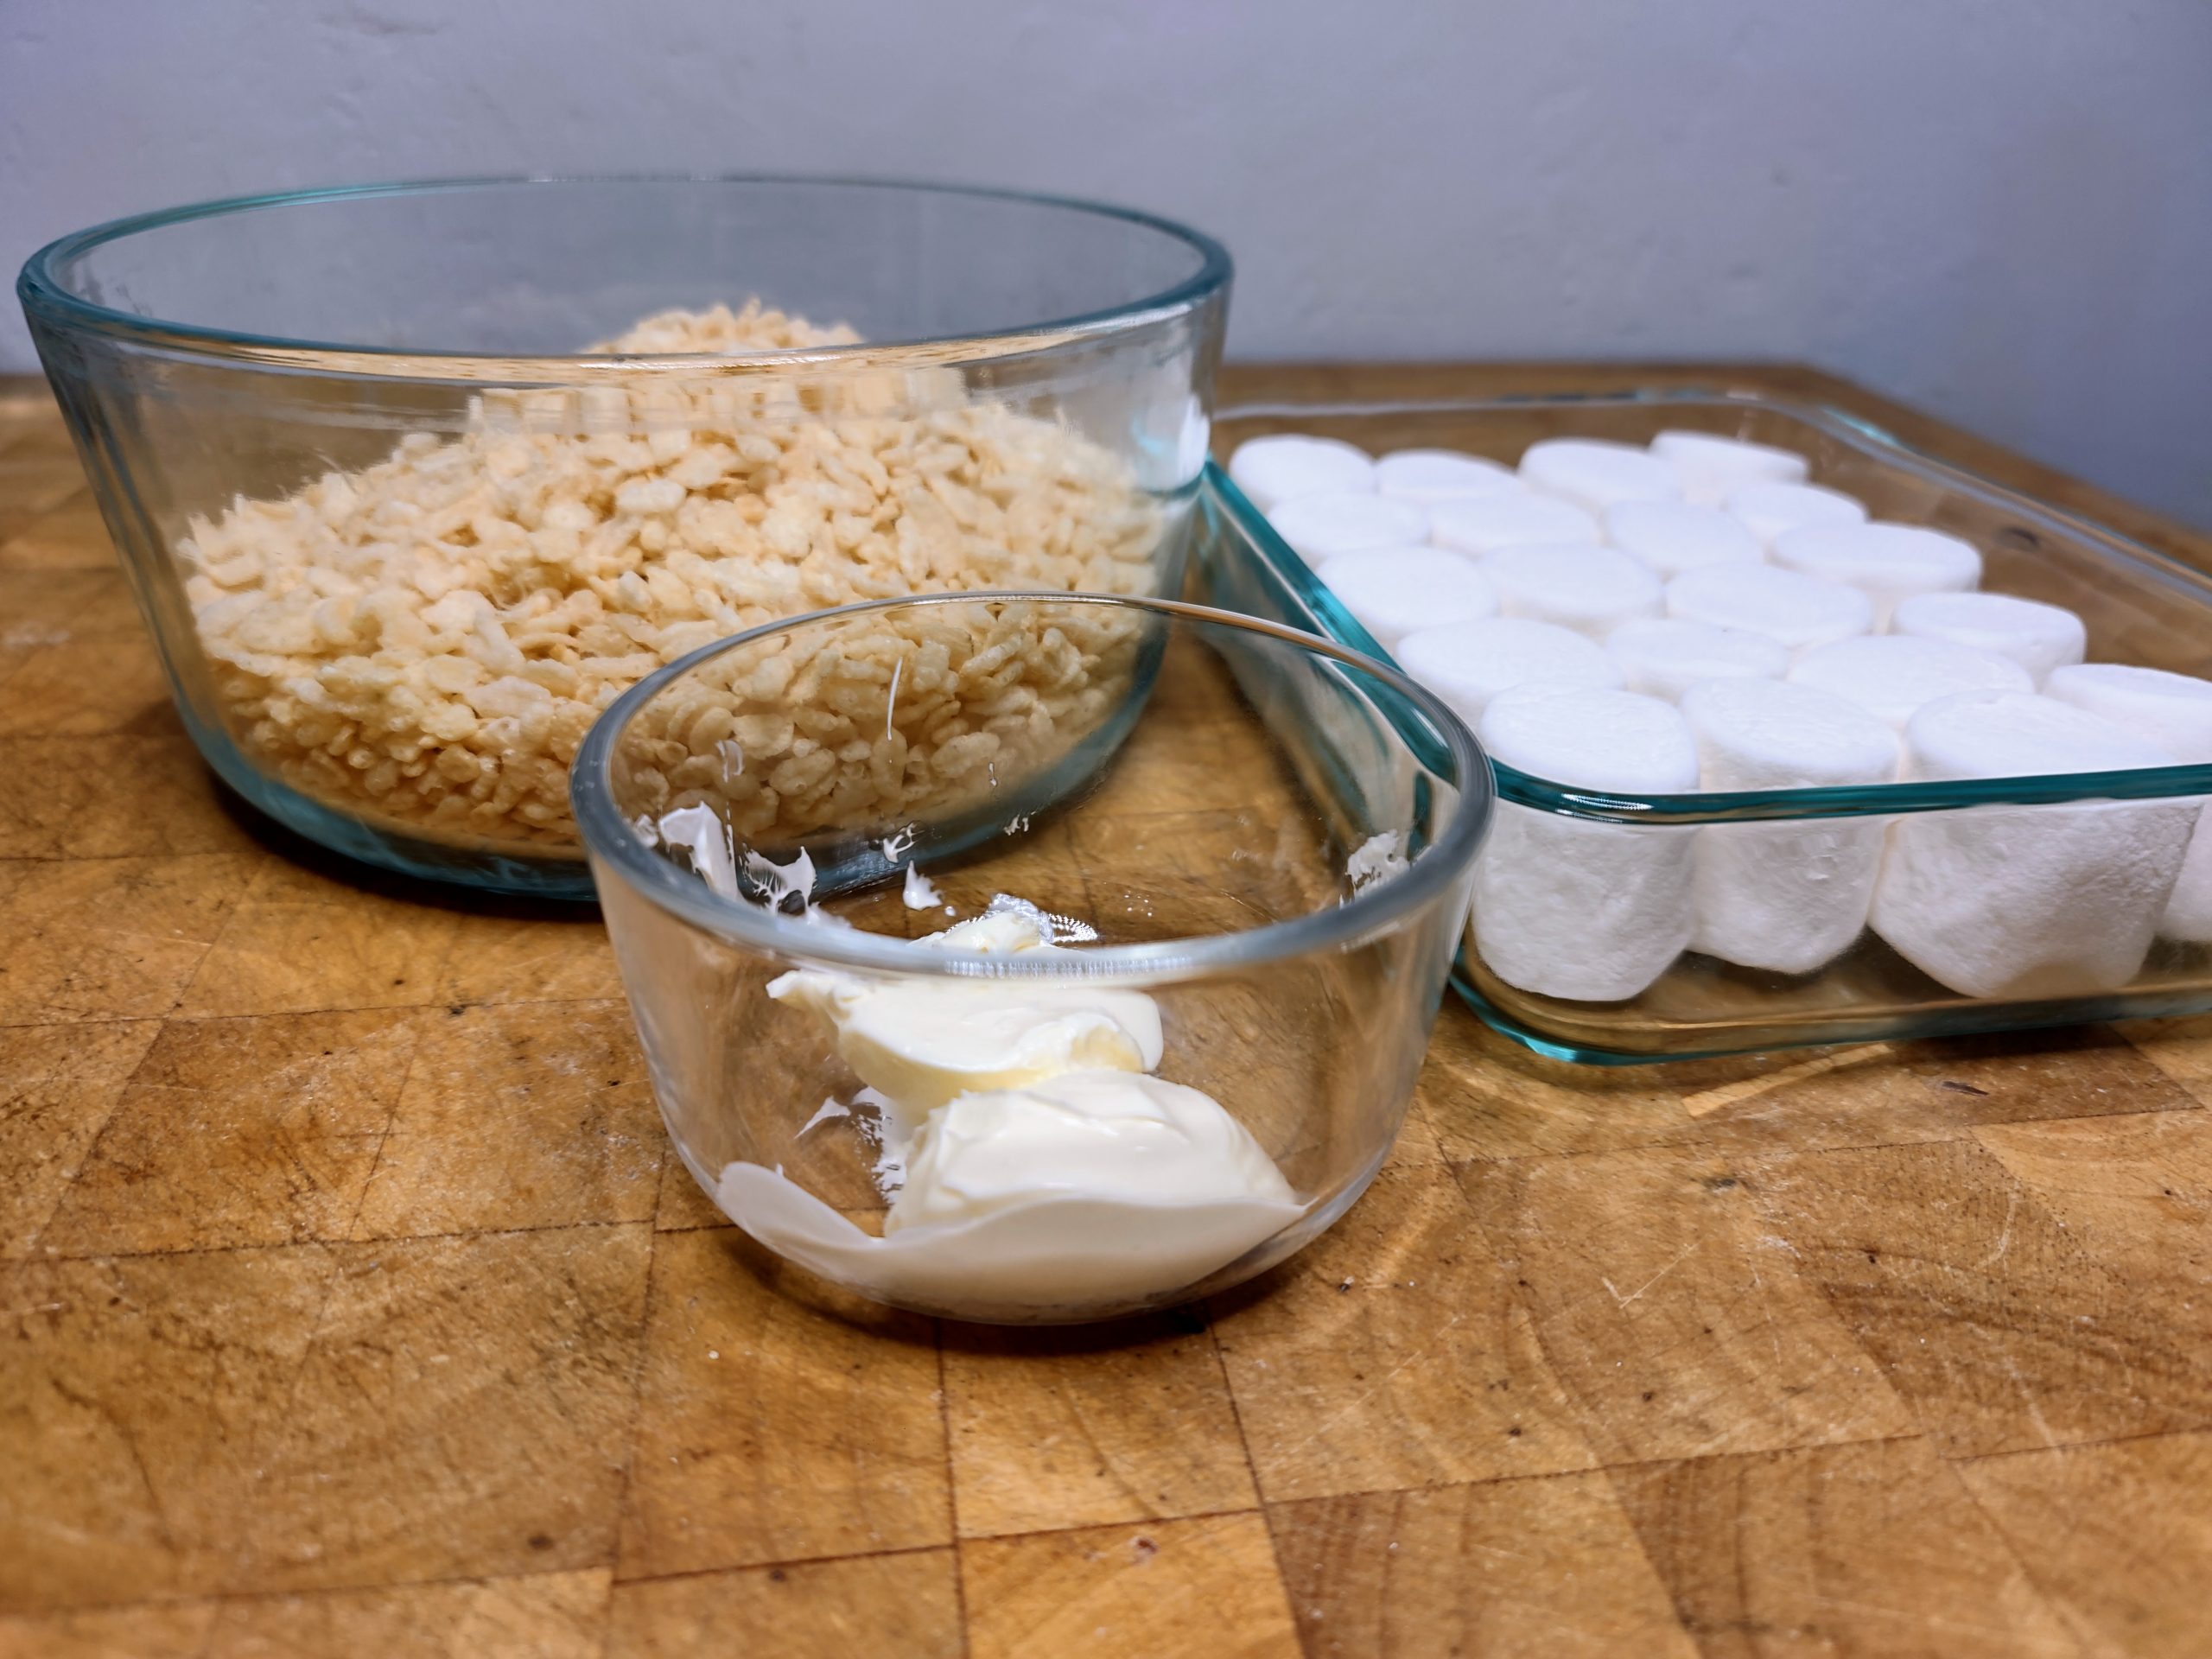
(1267, 839)
(413, 480)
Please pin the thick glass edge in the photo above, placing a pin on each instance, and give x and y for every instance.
(1724, 806)
(1715, 1042)
(611, 841)
(43, 295)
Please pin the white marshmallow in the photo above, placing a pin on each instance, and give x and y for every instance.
(1401, 590)
(1431, 475)
(2038, 637)
(1797, 611)
(1887, 562)
(2188, 909)
(2008, 734)
(1486, 525)
(1711, 466)
(1595, 474)
(2175, 712)
(1672, 537)
(1767, 510)
(2027, 901)
(1272, 470)
(1591, 738)
(1663, 658)
(1319, 527)
(1757, 734)
(1785, 897)
(1467, 664)
(1893, 676)
(1590, 589)
(1566, 907)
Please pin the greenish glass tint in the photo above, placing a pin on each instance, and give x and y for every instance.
(2140, 606)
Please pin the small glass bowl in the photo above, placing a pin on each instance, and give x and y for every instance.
(1270, 837)
(402, 531)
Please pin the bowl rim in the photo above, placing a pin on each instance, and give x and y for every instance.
(611, 841)
(45, 296)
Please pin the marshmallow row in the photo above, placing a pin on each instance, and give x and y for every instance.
(1700, 615)
(1699, 528)
(1999, 901)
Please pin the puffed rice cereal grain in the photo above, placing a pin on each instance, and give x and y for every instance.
(425, 641)
(915, 716)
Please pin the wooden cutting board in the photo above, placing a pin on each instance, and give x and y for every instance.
(351, 1301)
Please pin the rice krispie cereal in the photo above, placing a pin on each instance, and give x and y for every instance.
(900, 719)
(425, 641)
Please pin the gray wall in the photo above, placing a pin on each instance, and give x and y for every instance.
(2000, 210)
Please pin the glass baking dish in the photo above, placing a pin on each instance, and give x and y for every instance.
(2140, 606)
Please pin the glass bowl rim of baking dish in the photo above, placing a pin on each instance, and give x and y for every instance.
(1737, 806)
(42, 286)
(1369, 913)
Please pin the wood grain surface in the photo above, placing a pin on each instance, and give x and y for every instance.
(351, 1301)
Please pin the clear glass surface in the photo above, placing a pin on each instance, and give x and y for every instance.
(407, 496)
(2139, 605)
(1202, 793)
